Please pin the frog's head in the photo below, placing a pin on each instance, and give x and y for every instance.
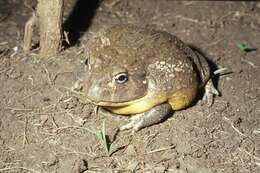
(113, 78)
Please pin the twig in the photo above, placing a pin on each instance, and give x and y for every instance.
(225, 15)
(28, 5)
(249, 62)
(54, 122)
(60, 73)
(232, 125)
(3, 43)
(161, 149)
(25, 139)
(48, 74)
(75, 127)
(213, 43)
(23, 168)
(257, 131)
(77, 152)
(3, 17)
(96, 109)
(30, 95)
(189, 19)
(66, 36)
(18, 109)
(150, 138)
(30, 78)
(78, 120)
(242, 150)
(28, 32)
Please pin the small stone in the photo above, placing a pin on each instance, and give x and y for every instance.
(73, 165)
(133, 165)
(162, 62)
(130, 150)
(46, 99)
(258, 5)
(80, 166)
(52, 160)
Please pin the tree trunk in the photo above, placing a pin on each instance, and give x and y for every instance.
(50, 23)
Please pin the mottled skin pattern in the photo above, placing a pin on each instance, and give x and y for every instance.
(160, 69)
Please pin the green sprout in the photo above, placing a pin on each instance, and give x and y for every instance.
(102, 136)
(244, 47)
(179, 171)
(222, 71)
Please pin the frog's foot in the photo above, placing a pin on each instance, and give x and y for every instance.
(210, 92)
(153, 116)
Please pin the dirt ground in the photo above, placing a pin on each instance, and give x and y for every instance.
(44, 128)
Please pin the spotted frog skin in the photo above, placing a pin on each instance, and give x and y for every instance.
(143, 72)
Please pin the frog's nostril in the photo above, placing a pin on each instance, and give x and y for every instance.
(87, 63)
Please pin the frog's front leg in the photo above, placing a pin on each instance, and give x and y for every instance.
(152, 116)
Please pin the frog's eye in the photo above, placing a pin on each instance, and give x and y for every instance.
(87, 63)
(121, 78)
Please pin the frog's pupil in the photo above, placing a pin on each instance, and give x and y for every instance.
(121, 78)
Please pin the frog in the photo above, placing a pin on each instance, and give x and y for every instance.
(145, 73)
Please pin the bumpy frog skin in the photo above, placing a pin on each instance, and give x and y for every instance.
(132, 70)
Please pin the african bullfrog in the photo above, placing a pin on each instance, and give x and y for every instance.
(143, 72)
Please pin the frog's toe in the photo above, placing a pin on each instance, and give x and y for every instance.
(133, 121)
(153, 116)
(210, 92)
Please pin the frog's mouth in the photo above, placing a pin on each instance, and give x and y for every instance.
(136, 102)
(115, 104)
(100, 98)
(134, 106)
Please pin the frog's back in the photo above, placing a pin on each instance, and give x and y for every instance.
(170, 66)
(166, 61)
